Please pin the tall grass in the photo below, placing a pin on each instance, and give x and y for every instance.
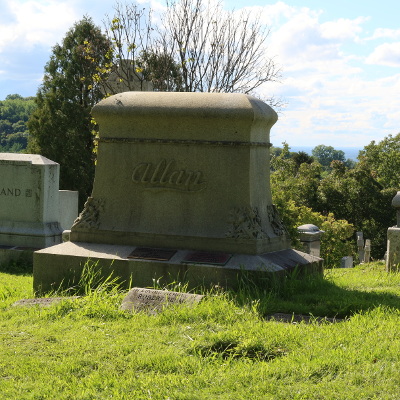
(223, 348)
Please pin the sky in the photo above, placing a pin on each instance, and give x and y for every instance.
(340, 61)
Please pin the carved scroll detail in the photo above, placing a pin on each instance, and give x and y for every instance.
(89, 217)
(245, 224)
(275, 221)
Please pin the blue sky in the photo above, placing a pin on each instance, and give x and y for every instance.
(340, 61)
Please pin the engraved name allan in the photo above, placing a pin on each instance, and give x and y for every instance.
(166, 175)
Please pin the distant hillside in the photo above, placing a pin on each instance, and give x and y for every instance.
(350, 152)
(14, 113)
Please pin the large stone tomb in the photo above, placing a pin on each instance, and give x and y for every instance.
(181, 191)
(29, 201)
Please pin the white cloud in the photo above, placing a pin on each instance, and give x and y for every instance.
(343, 29)
(385, 54)
(385, 33)
(330, 97)
(35, 23)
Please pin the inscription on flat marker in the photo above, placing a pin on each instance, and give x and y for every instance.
(202, 257)
(153, 301)
(149, 253)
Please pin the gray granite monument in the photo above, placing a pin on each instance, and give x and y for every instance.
(181, 191)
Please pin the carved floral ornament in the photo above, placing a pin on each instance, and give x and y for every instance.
(89, 218)
(245, 223)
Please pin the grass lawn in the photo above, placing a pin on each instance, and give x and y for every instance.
(223, 348)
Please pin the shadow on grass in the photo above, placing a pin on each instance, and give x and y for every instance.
(17, 268)
(313, 295)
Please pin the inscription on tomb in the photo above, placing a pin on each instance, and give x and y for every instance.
(165, 174)
(12, 192)
(204, 257)
(152, 300)
(147, 253)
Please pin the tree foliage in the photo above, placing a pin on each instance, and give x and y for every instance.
(340, 196)
(383, 159)
(14, 114)
(61, 127)
(326, 154)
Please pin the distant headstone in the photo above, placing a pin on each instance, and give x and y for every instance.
(346, 262)
(367, 251)
(188, 172)
(68, 208)
(310, 237)
(29, 201)
(152, 300)
(393, 239)
(360, 247)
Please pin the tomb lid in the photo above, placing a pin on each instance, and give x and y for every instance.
(28, 158)
(309, 228)
(396, 200)
(185, 116)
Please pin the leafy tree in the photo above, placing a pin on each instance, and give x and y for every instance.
(335, 242)
(383, 159)
(302, 157)
(326, 154)
(14, 114)
(61, 127)
(345, 194)
(290, 181)
(354, 195)
(161, 70)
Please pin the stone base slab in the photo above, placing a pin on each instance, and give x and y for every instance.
(60, 266)
(9, 254)
(30, 234)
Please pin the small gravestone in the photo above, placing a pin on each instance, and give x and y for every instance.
(310, 238)
(181, 192)
(346, 262)
(29, 201)
(153, 301)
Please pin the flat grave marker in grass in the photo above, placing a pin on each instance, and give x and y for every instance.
(153, 301)
(42, 301)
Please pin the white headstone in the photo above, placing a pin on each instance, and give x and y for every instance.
(68, 208)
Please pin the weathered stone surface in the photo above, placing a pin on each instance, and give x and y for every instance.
(29, 212)
(393, 249)
(182, 171)
(153, 301)
(65, 262)
(42, 302)
(299, 318)
(186, 170)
